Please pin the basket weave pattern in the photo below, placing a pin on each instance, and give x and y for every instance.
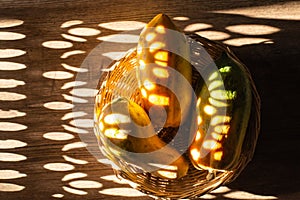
(120, 80)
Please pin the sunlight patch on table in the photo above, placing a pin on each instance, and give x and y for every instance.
(11, 144)
(75, 175)
(114, 179)
(11, 157)
(74, 160)
(10, 187)
(6, 114)
(11, 174)
(57, 75)
(73, 84)
(222, 189)
(60, 167)
(11, 96)
(74, 145)
(197, 26)
(83, 123)
(7, 23)
(73, 38)
(57, 195)
(57, 105)
(70, 23)
(10, 83)
(114, 55)
(72, 115)
(58, 136)
(74, 191)
(56, 44)
(84, 31)
(208, 196)
(84, 184)
(247, 41)
(74, 99)
(253, 29)
(213, 35)
(11, 126)
(181, 18)
(246, 195)
(120, 38)
(124, 192)
(74, 129)
(84, 92)
(10, 53)
(123, 25)
(72, 53)
(9, 66)
(74, 69)
(4, 35)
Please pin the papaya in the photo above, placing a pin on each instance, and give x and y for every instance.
(224, 104)
(126, 133)
(164, 72)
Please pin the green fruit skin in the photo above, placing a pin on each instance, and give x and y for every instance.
(238, 109)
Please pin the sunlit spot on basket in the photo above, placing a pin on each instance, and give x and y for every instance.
(224, 129)
(155, 46)
(11, 157)
(84, 31)
(7, 23)
(84, 184)
(211, 144)
(216, 136)
(72, 53)
(218, 155)
(197, 26)
(74, 99)
(84, 92)
(213, 35)
(198, 136)
(114, 179)
(161, 55)
(56, 44)
(73, 38)
(246, 195)
(60, 75)
(59, 167)
(115, 133)
(82, 123)
(74, 69)
(74, 160)
(74, 129)
(10, 66)
(10, 83)
(167, 174)
(11, 36)
(213, 76)
(223, 94)
(195, 153)
(210, 110)
(10, 187)
(120, 38)
(11, 144)
(11, 174)
(220, 119)
(10, 126)
(74, 145)
(142, 64)
(116, 118)
(57, 195)
(10, 53)
(214, 84)
(57, 105)
(58, 136)
(199, 119)
(70, 23)
(160, 72)
(71, 115)
(158, 100)
(75, 175)
(181, 18)
(161, 63)
(74, 191)
(73, 84)
(6, 114)
(123, 25)
(124, 192)
(217, 103)
(115, 55)
(11, 96)
(247, 41)
(149, 85)
(160, 29)
(150, 36)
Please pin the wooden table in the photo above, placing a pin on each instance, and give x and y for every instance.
(39, 144)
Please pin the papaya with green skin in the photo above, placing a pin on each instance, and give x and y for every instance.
(164, 73)
(224, 107)
(127, 134)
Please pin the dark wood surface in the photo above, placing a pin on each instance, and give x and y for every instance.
(274, 170)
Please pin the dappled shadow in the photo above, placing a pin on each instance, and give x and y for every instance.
(42, 155)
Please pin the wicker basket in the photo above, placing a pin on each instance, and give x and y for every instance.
(119, 81)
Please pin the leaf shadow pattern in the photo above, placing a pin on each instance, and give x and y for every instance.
(272, 62)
